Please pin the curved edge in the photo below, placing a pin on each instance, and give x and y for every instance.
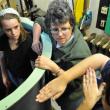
(35, 76)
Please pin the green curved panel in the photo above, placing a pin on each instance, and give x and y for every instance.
(35, 76)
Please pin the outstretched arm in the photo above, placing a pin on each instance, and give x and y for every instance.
(96, 61)
(56, 87)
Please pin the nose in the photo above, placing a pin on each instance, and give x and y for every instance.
(60, 33)
(13, 32)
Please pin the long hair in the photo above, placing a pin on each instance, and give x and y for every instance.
(23, 32)
(59, 12)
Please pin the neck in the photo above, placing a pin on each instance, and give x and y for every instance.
(14, 41)
(13, 44)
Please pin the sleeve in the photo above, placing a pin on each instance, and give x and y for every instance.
(106, 72)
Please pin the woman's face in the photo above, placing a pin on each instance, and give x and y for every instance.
(11, 27)
(61, 32)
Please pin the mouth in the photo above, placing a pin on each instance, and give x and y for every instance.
(61, 39)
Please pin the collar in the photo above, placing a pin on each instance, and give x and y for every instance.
(58, 45)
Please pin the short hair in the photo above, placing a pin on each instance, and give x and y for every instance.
(59, 12)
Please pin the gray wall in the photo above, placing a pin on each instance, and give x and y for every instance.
(43, 4)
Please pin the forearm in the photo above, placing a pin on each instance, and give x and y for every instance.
(55, 69)
(36, 32)
(58, 71)
(94, 61)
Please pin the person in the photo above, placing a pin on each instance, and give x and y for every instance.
(15, 48)
(69, 47)
(91, 92)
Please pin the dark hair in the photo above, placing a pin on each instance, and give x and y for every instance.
(24, 33)
(107, 91)
(59, 12)
(106, 79)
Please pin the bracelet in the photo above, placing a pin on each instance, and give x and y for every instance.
(56, 73)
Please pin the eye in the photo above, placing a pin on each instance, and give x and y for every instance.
(16, 27)
(7, 30)
(65, 29)
(54, 30)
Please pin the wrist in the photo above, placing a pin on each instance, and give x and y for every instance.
(64, 78)
(54, 68)
(36, 41)
(58, 72)
(89, 105)
(84, 106)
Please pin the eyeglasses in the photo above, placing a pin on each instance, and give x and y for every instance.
(64, 30)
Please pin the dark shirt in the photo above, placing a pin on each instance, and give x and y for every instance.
(106, 72)
(18, 61)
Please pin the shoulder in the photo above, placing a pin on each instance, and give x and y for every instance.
(39, 20)
(107, 65)
(3, 42)
(3, 38)
(106, 71)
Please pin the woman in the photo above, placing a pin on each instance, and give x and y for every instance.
(15, 44)
(69, 48)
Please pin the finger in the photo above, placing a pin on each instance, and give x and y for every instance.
(37, 59)
(87, 78)
(34, 49)
(41, 98)
(56, 96)
(36, 65)
(39, 49)
(44, 94)
(101, 88)
(48, 92)
(84, 81)
(91, 76)
(84, 84)
(94, 81)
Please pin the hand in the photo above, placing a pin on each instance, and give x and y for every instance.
(6, 80)
(53, 89)
(37, 47)
(43, 62)
(46, 63)
(91, 91)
